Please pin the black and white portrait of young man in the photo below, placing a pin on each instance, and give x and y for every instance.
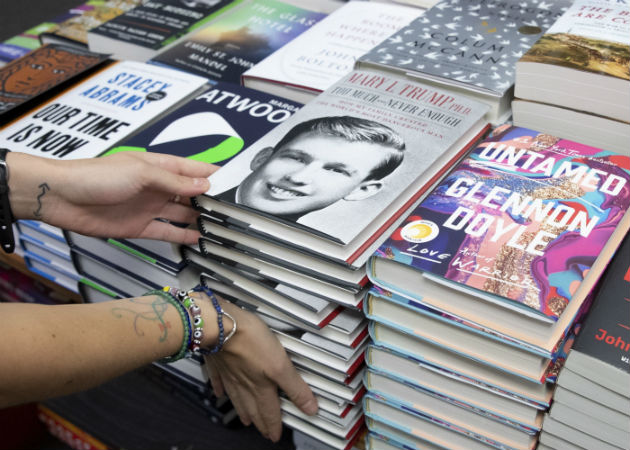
(314, 166)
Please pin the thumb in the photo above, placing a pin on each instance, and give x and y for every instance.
(296, 389)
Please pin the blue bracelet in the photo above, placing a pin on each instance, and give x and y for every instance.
(220, 313)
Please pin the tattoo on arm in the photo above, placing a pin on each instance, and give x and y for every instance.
(44, 188)
(153, 310)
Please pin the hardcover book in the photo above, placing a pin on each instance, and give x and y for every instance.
(578, 402)
(468, 391)
(72, 28)
(385, 437)
(601, 351)
(574, 437)
(360, 153)
(252, 286)
(320, 56)
(347, 328)
(45, 70)
(423, 426)
(467, 339)
(325, 438)
(423, 351)
(141, 32)
(342, 428)
(477, 423)
(235, 42)
(516, 236)
(92, 116)
(468, 46)
(582, 126)
(582, 62)
(303, 289)
(282, 255)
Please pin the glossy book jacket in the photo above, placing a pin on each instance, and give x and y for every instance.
(524, 217)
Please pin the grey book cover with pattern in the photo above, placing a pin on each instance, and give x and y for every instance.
(470, 43)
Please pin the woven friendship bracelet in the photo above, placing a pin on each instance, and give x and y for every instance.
(185, 322)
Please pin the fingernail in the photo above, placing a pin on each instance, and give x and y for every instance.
(200, 181)
(311, 407)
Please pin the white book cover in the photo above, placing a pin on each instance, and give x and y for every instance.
(89, 118)
(326, 52)
(605, 20)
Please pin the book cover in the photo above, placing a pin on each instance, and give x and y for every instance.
(225, 49)
(328, 50)
(92, 116)
(605, 333)
(214, 126)
(355, 155)
(155, 24)
(41, 71)
(582, 62)
(467, 43)
(593, 35)
(78, 21)
(523, 218)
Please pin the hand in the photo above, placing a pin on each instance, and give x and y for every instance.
(114, 196)
(250, 369)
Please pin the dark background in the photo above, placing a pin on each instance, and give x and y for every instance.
(19, 15)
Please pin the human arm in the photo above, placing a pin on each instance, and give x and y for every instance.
(49, 351)
(120, 196)
(115, 196)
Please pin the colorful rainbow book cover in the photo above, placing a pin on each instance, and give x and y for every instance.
(523, 217)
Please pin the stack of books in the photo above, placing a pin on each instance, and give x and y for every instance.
(290, 222)
(478, 290)
(468, 48)
(79, 123)
(334, 44)
(591, 404)
(240, 37)
(479, 282)
(151, 27)
(575, 81)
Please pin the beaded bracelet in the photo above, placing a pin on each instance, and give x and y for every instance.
(220, 313)
(185, 322)
(194, 312)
